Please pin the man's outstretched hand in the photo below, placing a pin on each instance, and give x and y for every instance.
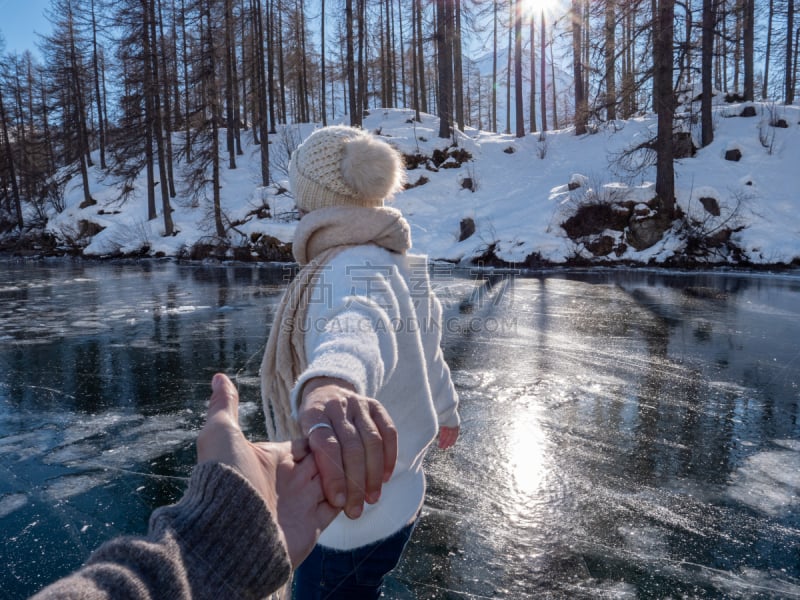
(284, 474)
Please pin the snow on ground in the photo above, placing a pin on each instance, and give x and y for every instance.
(519, 194)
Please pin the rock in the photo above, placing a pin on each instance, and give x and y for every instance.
(748, 111)
(733, 154)
(592, 219)
(711, 205)
(644, 233)
(730, 98)
(600, 246)
(683, 145)
(576, 181)
(467, 226)
(88, 228)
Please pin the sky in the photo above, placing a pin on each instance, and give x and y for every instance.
(19, 19)
(521, 191)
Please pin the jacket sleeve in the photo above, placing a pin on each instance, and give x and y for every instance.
(218, 541)
(443, 392)
(351, 332)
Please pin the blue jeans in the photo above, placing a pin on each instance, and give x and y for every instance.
(329, 574)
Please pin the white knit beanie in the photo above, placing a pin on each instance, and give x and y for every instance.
(344, 166)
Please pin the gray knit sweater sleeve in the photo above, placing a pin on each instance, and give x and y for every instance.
(220, 541)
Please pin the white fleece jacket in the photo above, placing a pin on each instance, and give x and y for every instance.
(374, 321)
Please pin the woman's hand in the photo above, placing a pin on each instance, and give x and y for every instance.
(285, 474)
(353, 440)
(447, 436)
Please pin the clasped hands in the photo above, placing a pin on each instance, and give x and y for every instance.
(353, 440)
(306, 483)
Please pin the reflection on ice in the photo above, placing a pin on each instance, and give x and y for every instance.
(68, 486)
(769, 481)
(755, 583)
(11, 502)
(95, 448)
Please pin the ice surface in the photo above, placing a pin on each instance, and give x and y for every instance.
(769, 482)
(11, 502)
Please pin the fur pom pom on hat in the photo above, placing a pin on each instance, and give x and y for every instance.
(344, 166)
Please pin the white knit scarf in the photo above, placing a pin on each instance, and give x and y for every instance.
(320, 235)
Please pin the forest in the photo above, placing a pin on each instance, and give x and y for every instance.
(133, 86)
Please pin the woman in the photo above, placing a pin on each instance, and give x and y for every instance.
(360, 321)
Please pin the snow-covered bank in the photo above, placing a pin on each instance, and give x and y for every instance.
(505, 205)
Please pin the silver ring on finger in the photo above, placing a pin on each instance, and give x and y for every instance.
(321, 425)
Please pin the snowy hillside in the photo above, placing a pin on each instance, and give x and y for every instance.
(514, 193)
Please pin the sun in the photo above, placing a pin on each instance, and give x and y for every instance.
(550, 8)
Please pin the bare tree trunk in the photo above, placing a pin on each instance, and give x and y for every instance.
(149, 114)
(737, 44)
(353, 106)
(363, 101)
(175, 78)
(789, 79)
(654, 51)
(577, 68)
(158, 126)
(707, 58)
(518, 104)
(101, 130)
(768, 50)
(725, 50)
(533, 75)
(212, 100)
(586, 56)
(276, 47)
(12, 173)
(385, 69)
(665, 107)
(610, 60)
(393, 53)
(167, 107)
(415, 73)
(402, 53)
(628, 85)
(323, 68)
(458, 77)
(494, 66)
(553, 81)
(796, 51)
(187, 131)
(508, 64)
(270, 41)
(749, 58)
(445, 67)
(423, 94)
(261, 91)
(543, 73)
(78, 105)
(229, 85)
(686, 65)
(303, 88)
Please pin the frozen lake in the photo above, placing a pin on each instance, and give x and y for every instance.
(626, 434)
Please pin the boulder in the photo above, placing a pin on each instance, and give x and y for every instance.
(711, 205)
(467, 227)
(644, 233)
(600, 246)
(733, 154)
